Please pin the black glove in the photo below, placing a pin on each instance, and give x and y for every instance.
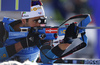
(71, 32)
(31, 40)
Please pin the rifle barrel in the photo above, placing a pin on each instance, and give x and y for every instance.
(89, 27)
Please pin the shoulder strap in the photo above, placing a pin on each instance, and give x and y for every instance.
(2, 33)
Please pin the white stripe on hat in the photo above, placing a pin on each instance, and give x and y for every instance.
(36, 11)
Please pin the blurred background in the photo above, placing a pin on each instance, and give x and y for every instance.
(57, 11)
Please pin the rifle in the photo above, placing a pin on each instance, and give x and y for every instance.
(48, 32)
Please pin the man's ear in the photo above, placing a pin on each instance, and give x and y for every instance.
(24, 21)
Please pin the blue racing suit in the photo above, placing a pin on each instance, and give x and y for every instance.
(30, 53)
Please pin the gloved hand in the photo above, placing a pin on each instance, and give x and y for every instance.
(31, 40)
(71, 32)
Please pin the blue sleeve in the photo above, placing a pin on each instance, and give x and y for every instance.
(3, 54)
(49, 54)
(84, 39)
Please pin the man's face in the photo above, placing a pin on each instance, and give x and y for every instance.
(32, 22)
